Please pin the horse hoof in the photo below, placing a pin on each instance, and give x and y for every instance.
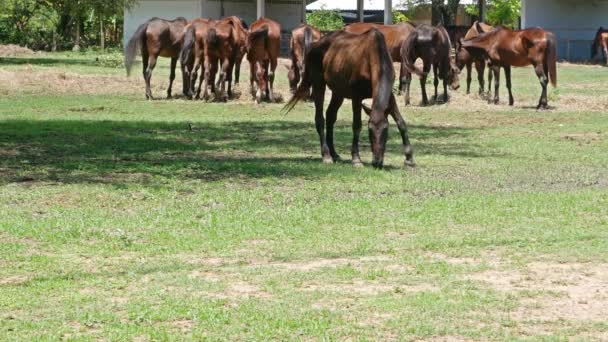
(328, 160)
(410, 163)
(357, 164)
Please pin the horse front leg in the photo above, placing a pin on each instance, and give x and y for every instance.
(402, 126)
(435, 80)
(490, 77)
(330, 120)
(222, 80)
(508, 78)
(318, 92)
(469, 67)
(480, 67)
(407, 81)
(425, 99)
(400, 81)
(252, 76)
(271, 73)
(172, 76)
(357, 106)
(544, 81)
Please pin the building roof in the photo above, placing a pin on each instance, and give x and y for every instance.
(370, 5)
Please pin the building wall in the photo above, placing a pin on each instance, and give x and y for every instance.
(574, 22)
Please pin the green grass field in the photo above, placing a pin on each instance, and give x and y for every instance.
(122, 219)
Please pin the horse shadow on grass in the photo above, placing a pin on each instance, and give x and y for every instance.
(123, 152)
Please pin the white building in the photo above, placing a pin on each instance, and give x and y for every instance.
(574, 22)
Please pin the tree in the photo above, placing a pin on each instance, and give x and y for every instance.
(500, 12)
(443, 11)
(325, 20)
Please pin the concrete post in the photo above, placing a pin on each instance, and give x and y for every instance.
(261, 8)
(388, 12)
(360, 11)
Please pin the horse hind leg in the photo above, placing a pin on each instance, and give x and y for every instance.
(508, 78)
(148, 75)
(271, 74)
(496, 71)
(357, 125)
(544, 81)
(469, 67)
(172, 76)
(407, 82)
(330, 120)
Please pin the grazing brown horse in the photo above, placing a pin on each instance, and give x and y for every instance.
(240, 36)
(465, 59)
(433, 46)
(357, 67)
(214, 42)
(506, 48)
(156, 37)
(600, 41)
(394, 35)
(263, 47)
(193, 54)
(301, 38)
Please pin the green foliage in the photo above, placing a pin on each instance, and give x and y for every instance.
(500, 12)
(325, 20)
(399, 17)
(45, 24)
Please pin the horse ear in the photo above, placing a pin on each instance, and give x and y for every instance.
(478, 27)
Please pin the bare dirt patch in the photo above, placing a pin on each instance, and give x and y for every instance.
(14, 280)
(572, 291)
(363, 288)
(12, 50)
(30, 80)
(183, 325)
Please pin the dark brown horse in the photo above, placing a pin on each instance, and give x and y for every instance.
(357, 67)
(506, 48)
(433, 46)
(301, 38)
(157, 37)
(394, 35)
(240, 36)
(263, 48)
(465, 59)
(600, 42)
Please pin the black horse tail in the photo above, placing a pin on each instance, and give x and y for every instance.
(307, 42)
(212, 39)
(596, 42)
(551, 58)
(407, 54)
(188, 46)
(386, 71)
(135, 43)
(261, 33)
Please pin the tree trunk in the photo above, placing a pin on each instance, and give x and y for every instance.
(54, 47)
(482, 10)
(77, 38)
(436, 12)
(102, 34)
(451, 12)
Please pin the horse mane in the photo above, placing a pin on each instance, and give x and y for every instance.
(482, 38)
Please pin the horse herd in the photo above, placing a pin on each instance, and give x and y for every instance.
(354, 63)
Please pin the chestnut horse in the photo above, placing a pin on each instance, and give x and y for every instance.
(301, 38)
(156, 37)
(263, 48)
(214, 42)
(465, 59)
(600, 41)
(505, 48)
(433, 46)
(240, 36)
(357, 67)
(193, 54)
(394, 35)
